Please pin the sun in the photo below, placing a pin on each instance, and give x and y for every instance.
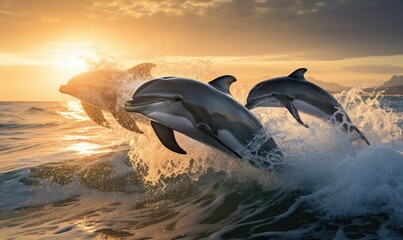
(75, 64)
(74, 58)
(77, 61)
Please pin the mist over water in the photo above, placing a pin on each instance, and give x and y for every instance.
(62, 176)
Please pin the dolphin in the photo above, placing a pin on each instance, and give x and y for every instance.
(100, 90)
(204, 112)
(296, 94)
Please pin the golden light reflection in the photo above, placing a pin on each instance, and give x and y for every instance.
(84, 148)
(86, 226)
(76, 137)
(74, 111)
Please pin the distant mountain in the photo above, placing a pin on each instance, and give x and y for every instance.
(328, 86)
(396, 90)
(394, 86)
(394, 81)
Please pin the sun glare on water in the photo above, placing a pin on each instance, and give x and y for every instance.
(73, 110)
(84, 147)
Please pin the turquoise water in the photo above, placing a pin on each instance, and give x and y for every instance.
(64, 177)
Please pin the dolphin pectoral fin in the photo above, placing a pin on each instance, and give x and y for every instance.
(126, 121)
(167, 137)
(294, 112)
(287, 102)
(95, 114)
(223, 83)
(204, 127)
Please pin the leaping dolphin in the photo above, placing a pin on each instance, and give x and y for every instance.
(204, 112)
(100, 90)
(296, 93)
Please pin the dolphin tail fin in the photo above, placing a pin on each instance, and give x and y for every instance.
(167, 137)
(354, 128)
(269, 147)
(142, 70)
(126, 121)
(341, 119)
(95, 114)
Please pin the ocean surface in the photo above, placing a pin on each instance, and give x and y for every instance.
(64, 177)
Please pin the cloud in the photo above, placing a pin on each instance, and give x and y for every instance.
(374, 69)
(309, 29)
(313, 29)
(4, 12)
(145, 8)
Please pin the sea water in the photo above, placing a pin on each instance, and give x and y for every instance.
(64, 177)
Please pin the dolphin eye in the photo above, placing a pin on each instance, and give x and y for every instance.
(177, 98)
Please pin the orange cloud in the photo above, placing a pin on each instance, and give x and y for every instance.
(144, 8)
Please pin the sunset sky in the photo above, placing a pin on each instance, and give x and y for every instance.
(351, 42)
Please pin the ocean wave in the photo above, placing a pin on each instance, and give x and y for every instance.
(36, 109)
(75, 179)
(16, 126)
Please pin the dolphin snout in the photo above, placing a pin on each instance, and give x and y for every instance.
(129, 103)
(250, 104)
(63, 88)
(130, 106)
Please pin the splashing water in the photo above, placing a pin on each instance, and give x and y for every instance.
(319, 145)
(201, 69)
(63, 176)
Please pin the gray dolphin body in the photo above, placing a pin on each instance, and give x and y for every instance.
(99, 91)
(204, 112)
(295, 93)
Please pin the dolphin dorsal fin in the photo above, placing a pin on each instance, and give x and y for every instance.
(298, 74)
(223, 83)
(142, 70)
